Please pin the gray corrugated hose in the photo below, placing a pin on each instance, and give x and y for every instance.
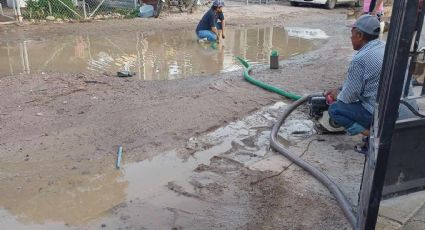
(319, 175)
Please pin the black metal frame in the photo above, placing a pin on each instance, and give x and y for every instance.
(406, 19)
(415, 53)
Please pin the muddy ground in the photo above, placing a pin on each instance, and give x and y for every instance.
(59, 134)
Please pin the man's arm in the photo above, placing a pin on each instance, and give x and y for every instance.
(212, 24)
(333, 93)
(214, 30)
(353, 85)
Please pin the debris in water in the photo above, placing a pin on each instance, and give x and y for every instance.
(146, 11)
(306, 33)
(180, 190)
(125, 73)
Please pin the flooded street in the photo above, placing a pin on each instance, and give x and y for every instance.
(159, 56)
(195, 149)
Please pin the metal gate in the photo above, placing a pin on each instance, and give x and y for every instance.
(397, 146)
(66, 10)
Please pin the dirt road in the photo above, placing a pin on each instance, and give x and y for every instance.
(59, 134)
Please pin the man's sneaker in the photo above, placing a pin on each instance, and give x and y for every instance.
(202, 40)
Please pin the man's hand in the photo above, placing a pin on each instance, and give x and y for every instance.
(222, 35)
(332, 93)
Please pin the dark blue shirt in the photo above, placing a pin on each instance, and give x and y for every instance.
(207, 21)
(220, 16)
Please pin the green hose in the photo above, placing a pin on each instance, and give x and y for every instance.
(263, 85)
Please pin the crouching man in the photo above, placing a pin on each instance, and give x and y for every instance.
(207, 28)
(355, 100)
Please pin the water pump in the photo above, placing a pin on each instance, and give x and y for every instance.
(318, 111)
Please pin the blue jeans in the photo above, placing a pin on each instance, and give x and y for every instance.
(212, 37)
(353, 117)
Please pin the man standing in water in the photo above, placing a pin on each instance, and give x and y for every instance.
(207, 28)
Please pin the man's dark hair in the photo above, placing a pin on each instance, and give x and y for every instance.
(367, 37)
(214, 8)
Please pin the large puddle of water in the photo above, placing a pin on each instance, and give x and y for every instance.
(154, 187)
(161, 56)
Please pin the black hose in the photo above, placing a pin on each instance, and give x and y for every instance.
(319, 175)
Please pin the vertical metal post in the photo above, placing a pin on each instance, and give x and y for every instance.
(50, 8)
(402, 28)
(84, 9)
(14, 9)
(18, 10)
(419, 25)
(135, 4)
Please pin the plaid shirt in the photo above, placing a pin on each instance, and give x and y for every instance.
(363, 75)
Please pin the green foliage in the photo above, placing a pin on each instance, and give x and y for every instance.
(36, 10)
(40, 9)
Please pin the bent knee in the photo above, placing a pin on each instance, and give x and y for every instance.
(333, 109)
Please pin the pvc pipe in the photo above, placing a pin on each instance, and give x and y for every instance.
(263, 85)
(119, 157)
(319, 175)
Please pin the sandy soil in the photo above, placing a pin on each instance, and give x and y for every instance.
(58, 130)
